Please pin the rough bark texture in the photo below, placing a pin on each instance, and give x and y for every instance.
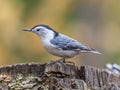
(56, 76)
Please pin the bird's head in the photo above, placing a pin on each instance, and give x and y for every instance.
(42, 30)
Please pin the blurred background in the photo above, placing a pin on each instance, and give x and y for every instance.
(95, 23)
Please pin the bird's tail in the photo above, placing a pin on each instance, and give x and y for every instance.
(90, 50)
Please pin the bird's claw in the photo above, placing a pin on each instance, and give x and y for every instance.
(70, 63)
(63, 61)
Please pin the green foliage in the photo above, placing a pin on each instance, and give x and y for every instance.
(114, 58)
(73, 13)
(28, 6)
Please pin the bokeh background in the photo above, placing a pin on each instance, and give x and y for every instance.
(96, 23)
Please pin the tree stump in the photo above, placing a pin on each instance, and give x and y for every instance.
(56, 76)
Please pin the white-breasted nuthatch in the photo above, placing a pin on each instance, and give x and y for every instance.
(59, 44)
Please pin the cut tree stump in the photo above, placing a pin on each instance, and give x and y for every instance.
(56, 76)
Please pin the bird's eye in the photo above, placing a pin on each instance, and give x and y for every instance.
(38, 30)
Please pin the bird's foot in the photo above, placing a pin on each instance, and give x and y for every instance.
(70, 63)
(63, 61)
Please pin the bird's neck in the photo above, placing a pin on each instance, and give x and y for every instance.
(47, 37)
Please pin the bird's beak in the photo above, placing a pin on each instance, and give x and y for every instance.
(27, 29)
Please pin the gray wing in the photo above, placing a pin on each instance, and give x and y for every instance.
(67, 43)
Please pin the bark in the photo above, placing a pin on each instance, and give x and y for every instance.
(56, 76)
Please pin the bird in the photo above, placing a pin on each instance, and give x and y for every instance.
(59, 44)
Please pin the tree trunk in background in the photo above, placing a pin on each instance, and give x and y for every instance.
(56, 76)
